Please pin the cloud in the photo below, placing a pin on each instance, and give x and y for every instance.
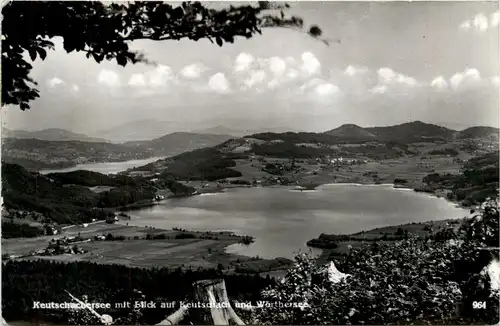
(466, 77)
(53, 82)
(386, 74)
(137, 80)
(243, 61)
(275, 72)
(75, 88)
(219, 83)
(389, 76)
(277, 66)
(326, 89)
(439, 83)
(481, 22)
(379, 89)
(352, 70)
(310, 64)
(256, 77)
(160, 76)
(108, 78)
(192, 71)
(402, 79)
(319, 88)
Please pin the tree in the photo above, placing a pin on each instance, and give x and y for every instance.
(104, 30)
(412, 281)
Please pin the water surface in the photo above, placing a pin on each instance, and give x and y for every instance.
(105, 168)
(282, 220)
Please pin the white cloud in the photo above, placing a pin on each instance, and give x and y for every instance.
(275, 71)
(192, 71)
(469, 75)
(402, 79)
(319, 87)
(310, 64)
(326, 89)
(277, 66)
(352, 70)
(243, 62)
(108, 78)
(256, 77)
(219, 83)
(389, 76)
(379, 89)
(75, 88)
(137, 80)
(386, 74)
(160, 76)
(53, 82)
(439, 83)
(481, 22)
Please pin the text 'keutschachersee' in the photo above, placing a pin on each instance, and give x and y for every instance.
(168, 304)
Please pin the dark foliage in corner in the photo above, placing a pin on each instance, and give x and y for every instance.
(104, 30)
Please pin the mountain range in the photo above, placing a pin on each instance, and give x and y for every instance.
(178, 142)
(52, 134)
(140, 132)
(409, 132)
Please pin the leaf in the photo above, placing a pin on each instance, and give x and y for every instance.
(24, 106)
(42, 53)
(122, 60)
(68, 45)
(32, 53)
(218, 40)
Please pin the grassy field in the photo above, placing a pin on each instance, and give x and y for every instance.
(205, 250)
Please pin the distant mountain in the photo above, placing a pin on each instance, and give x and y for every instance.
(35, 154)
(52, 134)
(146, 129)
(179, 142)
(412, 132)
(478, 132)
(351, 131)
(238, 132)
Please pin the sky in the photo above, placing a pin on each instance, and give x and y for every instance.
(389, 63)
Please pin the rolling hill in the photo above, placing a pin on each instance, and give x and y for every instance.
(351, 131)
(36, 154)
(238, 132)
(52, 134)
(416, 131)
(178, 142)
(478, 132)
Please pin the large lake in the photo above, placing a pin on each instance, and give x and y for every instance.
(105, 168)
(283, 220)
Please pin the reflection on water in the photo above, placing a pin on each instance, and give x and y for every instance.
(283, 221)
(105, 168)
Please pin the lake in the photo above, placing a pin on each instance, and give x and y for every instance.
(105, 168)
(283, 220)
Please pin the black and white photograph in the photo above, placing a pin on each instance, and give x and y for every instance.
(250, 163)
